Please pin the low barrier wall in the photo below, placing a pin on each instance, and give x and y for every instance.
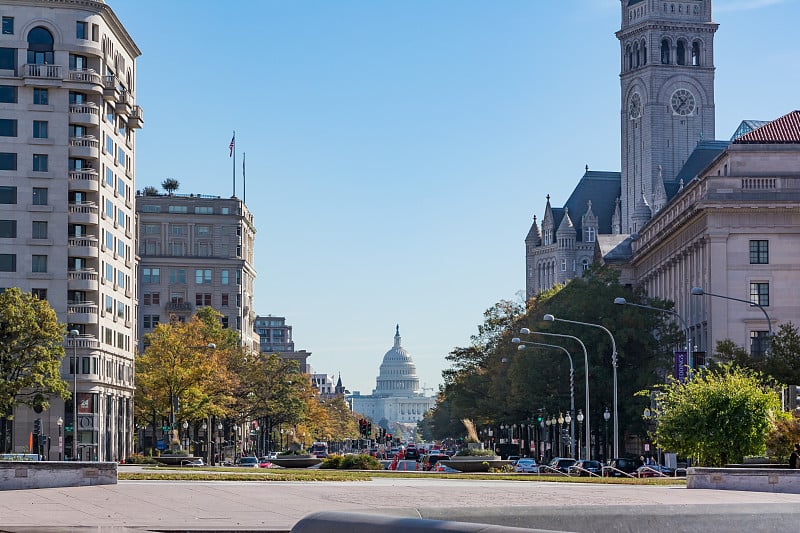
(15, 475)
(336, 522)
(750, 478)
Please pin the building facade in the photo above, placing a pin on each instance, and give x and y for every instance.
(68, 121)
(275, 336)
(397, 398)
(196, 251)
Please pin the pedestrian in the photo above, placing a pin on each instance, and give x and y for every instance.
(794, 459)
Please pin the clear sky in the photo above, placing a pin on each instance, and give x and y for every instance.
(397, 151)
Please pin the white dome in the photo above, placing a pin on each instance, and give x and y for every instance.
(398, 373)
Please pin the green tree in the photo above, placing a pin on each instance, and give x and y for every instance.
(719, 416)
(783, 360)
(31, 352)
(170, 185)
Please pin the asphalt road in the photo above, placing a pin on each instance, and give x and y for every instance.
(277, 506)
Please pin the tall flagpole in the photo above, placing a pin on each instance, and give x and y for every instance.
(233, 154)
(244, 179)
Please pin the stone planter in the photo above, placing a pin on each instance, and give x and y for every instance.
(475, 463)
(296, 461)
(175, 460)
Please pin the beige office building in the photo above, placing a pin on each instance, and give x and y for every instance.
(68, 117)
(195, 251)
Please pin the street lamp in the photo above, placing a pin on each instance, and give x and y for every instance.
(580, 430)
(523, 344)
(606, 417)
(526, 331)
(73, 334)
(699, 291)
(689, 354)
(185, 434)
(551, 318)
(60, 424)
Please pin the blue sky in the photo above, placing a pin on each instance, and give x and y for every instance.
(397, 151)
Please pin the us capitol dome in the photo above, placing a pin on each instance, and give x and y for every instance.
(397, 397)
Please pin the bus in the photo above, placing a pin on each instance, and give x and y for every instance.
(319, 450)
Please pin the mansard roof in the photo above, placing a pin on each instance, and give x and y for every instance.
(783, 130)
(702, 156)
(599, 187)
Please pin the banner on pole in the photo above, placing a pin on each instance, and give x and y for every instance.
(681, 366)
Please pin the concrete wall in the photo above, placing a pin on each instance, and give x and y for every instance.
(749, 479)
(15, 475)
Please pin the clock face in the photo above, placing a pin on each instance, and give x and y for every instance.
(635, 107)
(682, 102)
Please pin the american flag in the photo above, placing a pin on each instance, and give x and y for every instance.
(232, 145)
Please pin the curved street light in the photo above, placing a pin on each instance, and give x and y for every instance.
(689, 354)
(551, 318)
(699, 291)
(526, 331)
(522, 345)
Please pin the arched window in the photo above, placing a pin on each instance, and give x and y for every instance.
(665, 52)
(628, 58)
(681, 55)
(40, 46)
(696, 54)
(644, 52)
(636, 53)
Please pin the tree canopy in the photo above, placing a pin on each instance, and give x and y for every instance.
(31, 352)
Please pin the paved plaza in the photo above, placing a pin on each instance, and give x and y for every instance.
(277, 506)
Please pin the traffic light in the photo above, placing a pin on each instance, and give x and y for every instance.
(37, 426)
(369, 429)
(539, 417)
(362, 427)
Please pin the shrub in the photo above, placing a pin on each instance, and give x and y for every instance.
(139, 459)
(464, 452)
(175, 452)
(332, 461)
(361, 462)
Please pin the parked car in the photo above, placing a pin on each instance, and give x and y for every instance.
(428, 462)
(561, 464)
(264, 462)
(197, 461)
(248, 462)
(623, 464)
(513, 459)
(585, 467)
(654, 470)
(526, 465)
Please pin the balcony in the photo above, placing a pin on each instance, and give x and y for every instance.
(83, 214)
(86, 342)
(111, 88)
(83, 247)
(124, 104)
(42, 75)
(86, 76)
(178, 307)
(84, 180)
(84, 114)
(82, 280)
(82, 313)
(136, 117)
(87, 147)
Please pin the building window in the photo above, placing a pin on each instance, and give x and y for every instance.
(590, 234)
(177, 231)
(8, 127)
(8, 94)
(38, 263)
(224, 300)
(151, 229)
(39, 293)
(201, 299)
(177, 248)
(109, 304)
(8, 25)
(151, 321)
(40, 129)
(40, 162)
(8, 58)
(8, 262)
(225, 322)
(758, 343)
(177, 276)
(81, 30)
(8, 161)
(40, 46)
(40, 96)
(759, 293)
(585, 264)
(8, 195)
(109, 177)
(178, 209)
(152, 298)
(40, 196)
(224, 277)
(202, 277)
(204, 210)
(759, 252)
(563, 265)
(39, 229)
(78, 62)
(151, 275)
(8, 229)
(151, 209)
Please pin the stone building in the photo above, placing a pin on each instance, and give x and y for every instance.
(68, 121)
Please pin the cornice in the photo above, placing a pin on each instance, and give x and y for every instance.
(704, 27)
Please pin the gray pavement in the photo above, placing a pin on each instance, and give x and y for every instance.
(277, 506)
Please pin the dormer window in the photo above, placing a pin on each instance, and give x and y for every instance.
(590, 234)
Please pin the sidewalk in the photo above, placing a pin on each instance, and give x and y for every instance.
(277, 506)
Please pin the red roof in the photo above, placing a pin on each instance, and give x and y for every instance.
(783, 130)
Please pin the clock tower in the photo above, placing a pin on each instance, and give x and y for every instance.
(667, 97)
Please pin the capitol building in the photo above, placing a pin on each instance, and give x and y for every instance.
(397, 398)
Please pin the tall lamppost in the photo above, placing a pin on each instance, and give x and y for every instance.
(185, 434)
(689, 354)
(526, 331)
(699, 291)
(60, 424)
(523, 344)
(73, 334)
(580, 430)
(551, 318)
(606, 417)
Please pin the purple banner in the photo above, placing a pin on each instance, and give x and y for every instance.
(681, 366)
